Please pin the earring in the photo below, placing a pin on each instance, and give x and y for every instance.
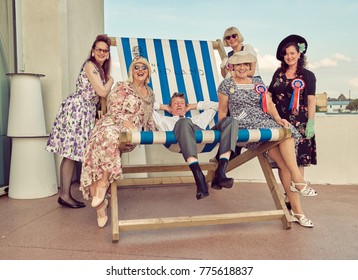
(92, 54)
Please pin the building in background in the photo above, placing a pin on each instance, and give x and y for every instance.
(321, 102)
(338, 105)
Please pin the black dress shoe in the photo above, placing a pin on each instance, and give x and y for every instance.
(219, 183)
(220, 180)
(66, 204)
(200, 195)
(78, 202)
(201, 186)
(215, 184)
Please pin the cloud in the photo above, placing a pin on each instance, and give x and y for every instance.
(329, 62)
(353, 82)
(268, 62)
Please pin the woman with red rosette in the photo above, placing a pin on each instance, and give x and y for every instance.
(293, 90)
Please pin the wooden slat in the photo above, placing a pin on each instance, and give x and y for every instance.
(218, 45)
(155, 181)
(148, 168)
(275, 191)
(113, 41)
(203, 220)
(114, 212)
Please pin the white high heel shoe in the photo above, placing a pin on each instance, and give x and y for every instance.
(301, 219)
(100, 195)
(305, 191)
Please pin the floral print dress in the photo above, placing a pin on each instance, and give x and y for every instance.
(281, 91)
(74, 121)
(244, 106)
(102, 152)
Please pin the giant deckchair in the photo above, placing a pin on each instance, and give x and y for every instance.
(190, 67)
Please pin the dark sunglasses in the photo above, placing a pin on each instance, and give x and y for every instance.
(231, 36)
(143, 67)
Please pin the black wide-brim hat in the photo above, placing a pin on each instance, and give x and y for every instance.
(291, 38)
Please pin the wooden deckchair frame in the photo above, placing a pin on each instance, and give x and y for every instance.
(280, 213)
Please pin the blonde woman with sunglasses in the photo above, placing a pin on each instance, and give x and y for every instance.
(129, 107)
(233, 38)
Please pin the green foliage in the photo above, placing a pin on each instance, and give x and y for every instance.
(353, 105)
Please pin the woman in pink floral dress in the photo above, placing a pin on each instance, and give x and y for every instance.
(130, 107)
(77, 115)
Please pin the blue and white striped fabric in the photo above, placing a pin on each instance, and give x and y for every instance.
(206, 139)
(177, 66)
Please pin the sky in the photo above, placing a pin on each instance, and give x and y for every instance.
(329, 26)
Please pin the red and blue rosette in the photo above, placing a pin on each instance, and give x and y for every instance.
(262, 90)
(297, 85)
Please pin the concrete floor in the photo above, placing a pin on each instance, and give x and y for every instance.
(40, 229)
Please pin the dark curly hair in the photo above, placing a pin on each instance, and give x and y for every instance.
(301, 63)
(106, 67)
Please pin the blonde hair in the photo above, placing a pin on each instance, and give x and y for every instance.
(135, 61)
(230, 31)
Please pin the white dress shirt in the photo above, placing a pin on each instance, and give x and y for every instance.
(166, 123)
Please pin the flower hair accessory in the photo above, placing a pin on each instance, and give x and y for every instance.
(262, 90)
(301, 47)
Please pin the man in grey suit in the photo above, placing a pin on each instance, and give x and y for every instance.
(184, 131)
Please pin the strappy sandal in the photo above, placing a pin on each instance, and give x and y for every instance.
(100, 195)
(102, 216)
(305, 191)
(302, 220)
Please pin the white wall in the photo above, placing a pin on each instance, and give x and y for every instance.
(55, 39)
(337, 150)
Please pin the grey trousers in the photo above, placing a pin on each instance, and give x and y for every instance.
(184, 131)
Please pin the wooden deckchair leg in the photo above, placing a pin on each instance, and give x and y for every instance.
(209, 176)
(114, 212)
(275, 191)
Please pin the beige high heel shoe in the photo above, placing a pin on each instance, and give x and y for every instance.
(100, 195)
(305, 191)
(102, 216)
(301, 219)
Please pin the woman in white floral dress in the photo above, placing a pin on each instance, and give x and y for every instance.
(130, 107)
(77, 115)
(249, 103)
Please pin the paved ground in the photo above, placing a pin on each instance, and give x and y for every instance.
(43, 230)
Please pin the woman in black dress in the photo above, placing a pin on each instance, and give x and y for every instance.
(293, 90)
